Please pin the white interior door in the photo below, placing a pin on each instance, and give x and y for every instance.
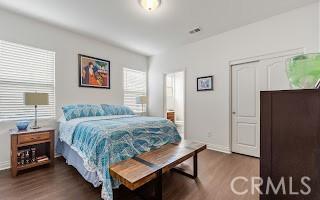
(245, 109)
(275, 77)
(247, 81)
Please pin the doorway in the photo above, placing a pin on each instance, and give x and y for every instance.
(248, 79)
(174, 106)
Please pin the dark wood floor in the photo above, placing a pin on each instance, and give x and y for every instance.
(62, 182)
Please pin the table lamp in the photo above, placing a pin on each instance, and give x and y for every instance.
(143, 100)
(36, 99)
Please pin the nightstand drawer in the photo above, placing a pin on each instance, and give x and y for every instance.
(171, 116)
(27, 138)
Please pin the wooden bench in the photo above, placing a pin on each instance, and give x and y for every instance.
(135, 172)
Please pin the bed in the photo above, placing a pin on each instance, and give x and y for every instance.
(92, 143)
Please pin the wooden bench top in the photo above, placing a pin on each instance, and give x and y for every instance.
(137, 171)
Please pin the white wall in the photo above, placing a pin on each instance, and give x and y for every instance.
(67, 45)
(209, 112)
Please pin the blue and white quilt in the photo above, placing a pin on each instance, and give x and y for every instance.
(104, 140)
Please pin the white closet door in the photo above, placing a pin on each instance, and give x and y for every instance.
(247, 81)
(275, 71)
(245, 109)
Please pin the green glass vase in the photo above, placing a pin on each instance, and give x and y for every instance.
(304, 71)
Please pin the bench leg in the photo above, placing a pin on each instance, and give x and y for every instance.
(195, 168)
(116, 194)
(158, 185)
(195, 165)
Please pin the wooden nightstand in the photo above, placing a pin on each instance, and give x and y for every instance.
(41, 141)
(171, 116)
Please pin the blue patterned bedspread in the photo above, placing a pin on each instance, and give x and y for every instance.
(102, 141)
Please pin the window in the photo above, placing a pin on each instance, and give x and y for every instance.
(135, 85)
(25, 69)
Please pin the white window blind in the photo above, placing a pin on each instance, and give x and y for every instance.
(25, 69)
(135, 84)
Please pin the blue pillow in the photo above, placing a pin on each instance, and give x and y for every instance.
(116, 110)
(82, 110)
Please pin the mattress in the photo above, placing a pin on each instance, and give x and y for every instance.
(73, 159)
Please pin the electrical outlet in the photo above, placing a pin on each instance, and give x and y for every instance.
(209, 134)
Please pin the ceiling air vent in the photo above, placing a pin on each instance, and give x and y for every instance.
(196, 30)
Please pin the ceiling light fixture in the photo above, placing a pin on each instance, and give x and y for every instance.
(150, 5)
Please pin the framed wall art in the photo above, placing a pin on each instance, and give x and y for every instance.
(94, 72)
(205, 83)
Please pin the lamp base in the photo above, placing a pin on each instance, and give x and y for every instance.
(35, 127)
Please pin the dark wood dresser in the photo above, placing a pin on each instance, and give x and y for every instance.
(290, 143)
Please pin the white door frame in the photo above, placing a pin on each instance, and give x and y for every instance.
(184, 70)
(258, 58)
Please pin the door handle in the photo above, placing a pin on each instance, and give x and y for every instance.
(233, 113)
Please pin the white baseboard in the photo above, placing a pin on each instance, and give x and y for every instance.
(215, 147)
(219, 148)
(4, 165)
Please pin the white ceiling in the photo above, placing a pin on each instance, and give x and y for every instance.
(124, 23)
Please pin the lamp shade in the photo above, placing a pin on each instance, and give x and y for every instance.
(36, 98)
(142, 100)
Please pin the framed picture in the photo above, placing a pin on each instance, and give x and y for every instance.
(94, 72)
(205, 83)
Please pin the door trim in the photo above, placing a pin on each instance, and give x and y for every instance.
(258, 58)
(164, 105)
(289, 52)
